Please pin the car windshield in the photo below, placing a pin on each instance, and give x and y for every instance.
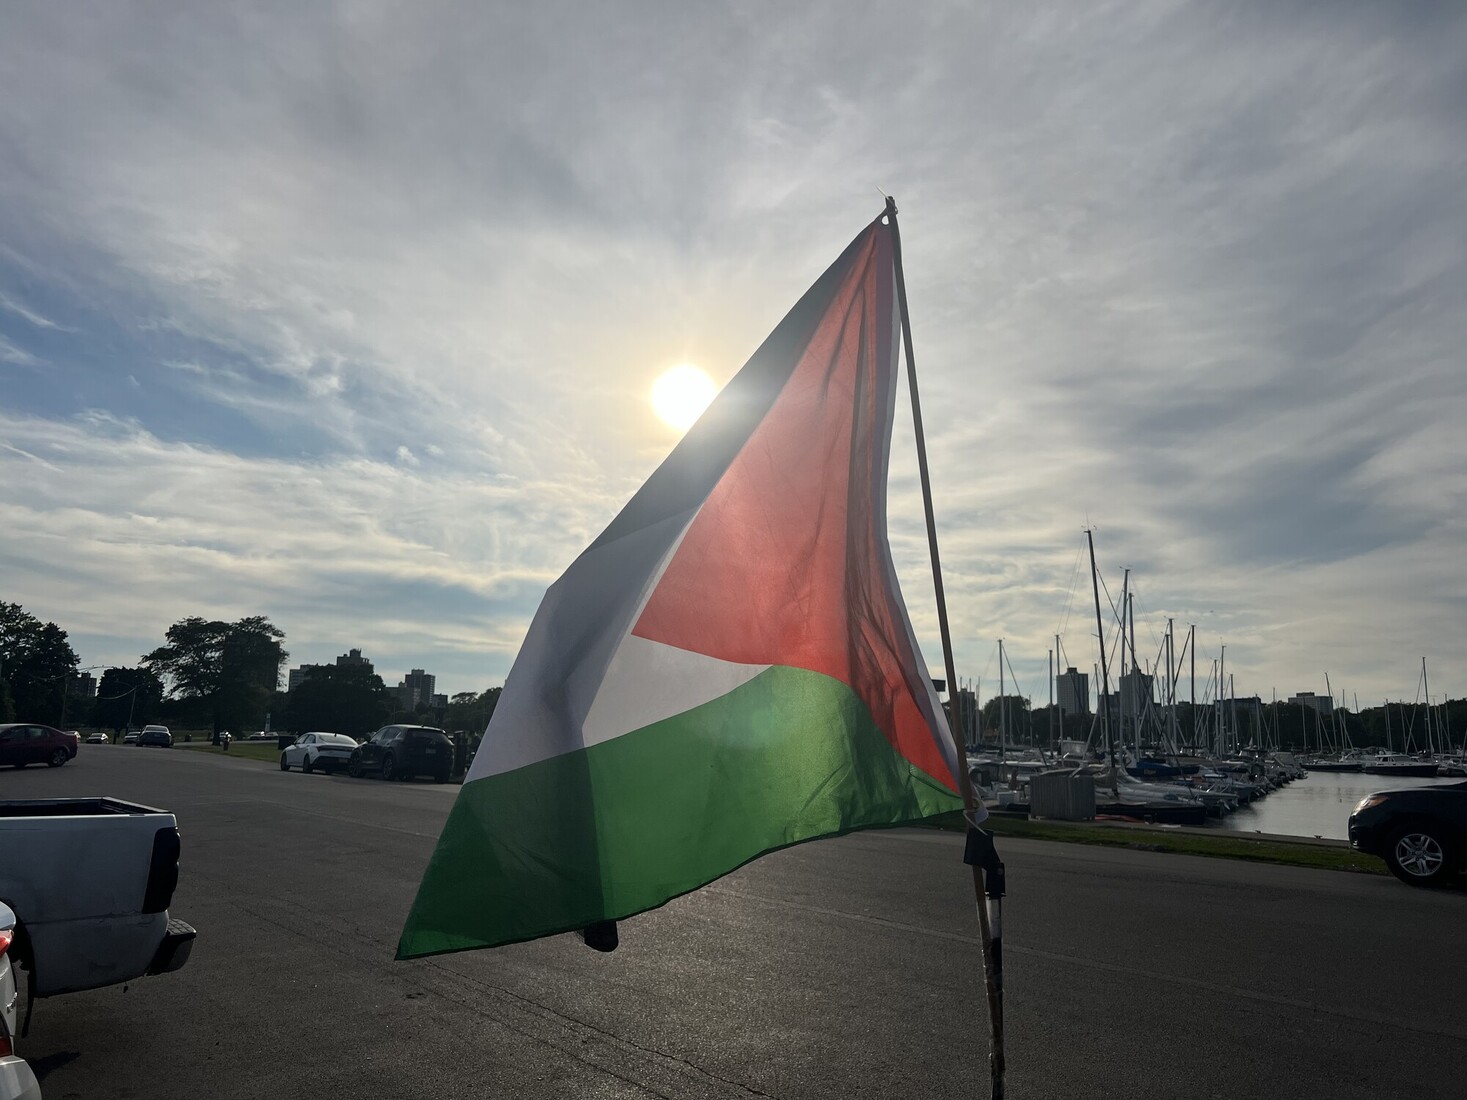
(335, 739)
(430, 736)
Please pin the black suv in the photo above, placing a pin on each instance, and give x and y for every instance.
(401, 752)
(1420, 832)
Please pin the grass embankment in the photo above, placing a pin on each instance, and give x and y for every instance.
(1190, 842)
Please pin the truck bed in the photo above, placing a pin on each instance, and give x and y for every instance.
(72, 807)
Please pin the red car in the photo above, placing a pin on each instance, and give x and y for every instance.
(23, 743)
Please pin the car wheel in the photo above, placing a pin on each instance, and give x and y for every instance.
(284, 763)
(354, 767)
(306, 766)
(1417, 855)
(389, 768)
(58, 758)
(441, 777)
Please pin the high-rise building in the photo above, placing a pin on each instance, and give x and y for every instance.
(416, 690)
(1072, 690)
(296, 676)
(354, 657)
(1322, 703)
(83, 685)
(1135, 692)
(349, 658)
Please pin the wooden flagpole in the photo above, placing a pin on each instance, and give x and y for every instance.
(980, 854)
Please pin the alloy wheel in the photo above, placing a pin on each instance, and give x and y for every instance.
(1420, 855)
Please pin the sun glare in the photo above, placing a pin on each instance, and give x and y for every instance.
(681, 394)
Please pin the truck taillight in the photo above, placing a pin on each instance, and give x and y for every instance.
(162, 871)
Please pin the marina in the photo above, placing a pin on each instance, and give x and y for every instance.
(1155, 751)
(1317, 805)
(1271, 794)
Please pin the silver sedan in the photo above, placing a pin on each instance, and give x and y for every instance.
(327, 752)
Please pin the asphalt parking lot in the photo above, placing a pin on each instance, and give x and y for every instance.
(845, 968)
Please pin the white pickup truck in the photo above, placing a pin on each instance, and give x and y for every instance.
(90, 881)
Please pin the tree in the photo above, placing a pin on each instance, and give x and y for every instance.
(36, 664)
(127, 696)
(233, 667)
(342, 698)
(470, 711)
(1015, 715)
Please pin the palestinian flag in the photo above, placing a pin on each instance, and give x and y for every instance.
(728, 670)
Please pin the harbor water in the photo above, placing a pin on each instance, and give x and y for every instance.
(1319, 805)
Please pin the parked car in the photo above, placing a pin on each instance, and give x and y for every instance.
(156, 735)
(97, 737)
(327, 751)
(17, 1081)
(1420, 832)
(130, 737)
(401, 752)
(23, 743)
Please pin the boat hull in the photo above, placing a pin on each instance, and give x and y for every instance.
(1425, 769)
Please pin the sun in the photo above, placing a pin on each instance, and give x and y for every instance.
(681, 394)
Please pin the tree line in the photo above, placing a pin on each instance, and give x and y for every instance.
(208, 675)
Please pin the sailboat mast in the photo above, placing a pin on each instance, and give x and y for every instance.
(1002, 714)
(1426, 692)
(1192, 649)
(1171, 713)
(1059, 703)
(1332, 725)
(1121, 682)
(1222, 664)
(1138, 708)
(1233, 715)
(1104, 671)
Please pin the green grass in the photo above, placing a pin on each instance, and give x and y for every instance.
(1140, 838)
(257, 750)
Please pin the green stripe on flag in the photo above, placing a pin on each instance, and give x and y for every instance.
(631, 823)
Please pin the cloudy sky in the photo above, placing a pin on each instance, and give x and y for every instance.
(346, 314)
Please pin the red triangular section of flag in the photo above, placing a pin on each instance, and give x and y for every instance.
(787, 562)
